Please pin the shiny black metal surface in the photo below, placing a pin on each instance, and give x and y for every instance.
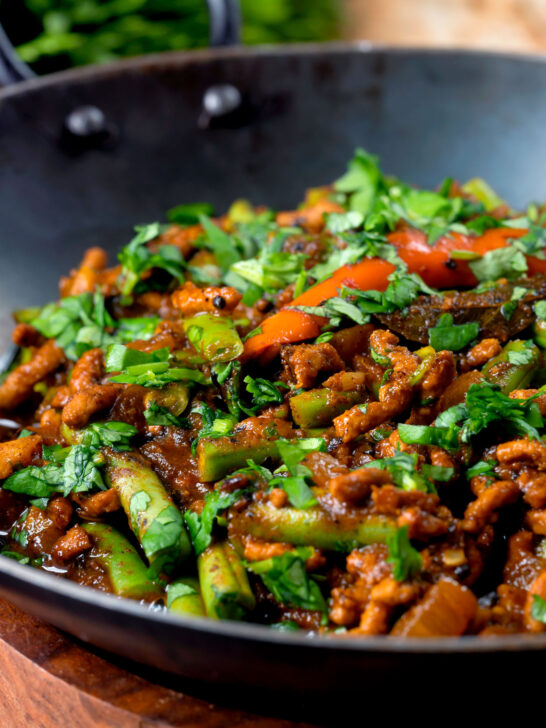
(304, 110)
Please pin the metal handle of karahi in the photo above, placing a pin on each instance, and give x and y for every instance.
(225, 30)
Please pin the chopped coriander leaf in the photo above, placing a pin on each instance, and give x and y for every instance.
(324, 337)
(445, 437)
(77, 323)
(189, 214)
(263, 391)
(119, 357)
(136, 258)
(200, 525)
(109, 434)
(224, 248)
(482, 467)
(520, 358)
(341, 222)
(215, 423)
(437, 472)
(155, 414)
(538, 608)
(133, 329)
(450, 336)
(292, 452)
(499, 263)
(287, 580)
(402, 466)
(405, 560)
(361, 183)
(271, 270)
(508, 308)
(80, 472)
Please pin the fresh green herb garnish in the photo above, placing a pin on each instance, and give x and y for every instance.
(200, 525)
(286, 578)
(405, 560)
(450, 336)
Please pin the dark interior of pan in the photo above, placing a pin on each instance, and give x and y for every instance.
(302, 112)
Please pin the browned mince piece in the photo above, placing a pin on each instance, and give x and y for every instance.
(87, 277)
(526, 393)
(389, 500)
(323, 467)
(278, 497)
(18, 453)
(521, 452)
(155, 302)
(394, 398)
(422, 526)
(89, 572)
(170, 454)
(19, 384)
(480, 354)
(89, 402)
(522, 564)
(43, 529)
(191, 300)
(467, 306)
(50, 424)
(61, 397)
(309, 218)
(87, 371)
(96, 505)
(75, 542)
(366, 567)
(26, 335)
(478, 513)
(257, 550)
(536, 520)
(181, 237)
(304, 362)
(440, 374)
(355, 486)
(533, 486)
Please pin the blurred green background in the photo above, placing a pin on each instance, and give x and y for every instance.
(56, 34)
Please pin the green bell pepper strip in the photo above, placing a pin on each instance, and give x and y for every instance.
(153, 517)
(224, 583)
(318, 407)
(184, 597)
(311, 527)
(127, 572)
(510, 375)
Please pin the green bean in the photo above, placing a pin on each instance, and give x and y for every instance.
(153, 517)
(312, 527)
(318, 407)
(214, 337)
(127, 572)
(224, 584)
(220, 456)
(184, 597)
(513, 375)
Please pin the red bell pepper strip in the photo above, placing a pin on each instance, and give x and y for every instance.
(431, 262)
(288, 325)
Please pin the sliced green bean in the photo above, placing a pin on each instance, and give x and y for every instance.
(127, 572)
(221, 456)
(312, 527)
(224, 584)
(515, 374)
(153, 517)
(174, 398)
(318, 407)
(184, 597)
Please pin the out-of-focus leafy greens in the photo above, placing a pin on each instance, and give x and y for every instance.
(63, 33)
